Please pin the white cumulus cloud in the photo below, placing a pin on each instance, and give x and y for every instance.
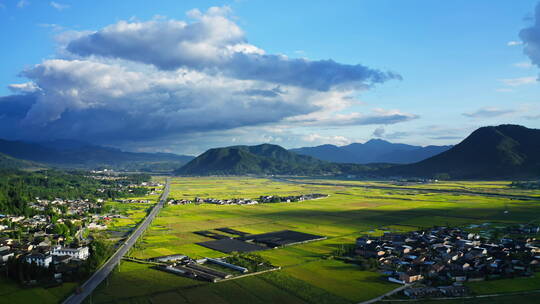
(168, 79)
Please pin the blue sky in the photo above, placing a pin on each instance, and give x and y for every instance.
(462, 65)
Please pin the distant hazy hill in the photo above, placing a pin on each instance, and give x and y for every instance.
(82, 155)
(505, 151)
(373, 151)
(262, 159)
(8, 162)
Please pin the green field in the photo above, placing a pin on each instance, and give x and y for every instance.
(11, 292)
(346, 214)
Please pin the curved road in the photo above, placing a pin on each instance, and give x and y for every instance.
(103, 272)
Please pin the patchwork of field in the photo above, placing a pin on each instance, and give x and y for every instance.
(308, 273)
(488, 187)
(131, 215)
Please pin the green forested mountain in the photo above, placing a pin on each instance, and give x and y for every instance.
(8, 162)
(263, 159)
(505, 151)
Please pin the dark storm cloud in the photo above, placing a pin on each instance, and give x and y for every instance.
(531, 38)
(106, 125)
(319, 75)
(16, 106)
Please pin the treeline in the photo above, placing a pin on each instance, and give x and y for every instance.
(17, 188)
(526, 185)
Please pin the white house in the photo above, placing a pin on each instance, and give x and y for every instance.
(81, 253)
(5, 255)
(96, 226)
(42, 260)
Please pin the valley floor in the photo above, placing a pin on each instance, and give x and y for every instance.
(308, 275)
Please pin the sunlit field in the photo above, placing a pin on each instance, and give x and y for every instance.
(346, 214)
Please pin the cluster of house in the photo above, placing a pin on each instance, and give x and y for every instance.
(72, 207)
(32, 241)
(121, 182)
(40, 252)
(409, 181)
(179, 202)
(291, 198)
(57, 255)
(445, 254)
(435, 292)
(152, 184)
(37, 220)
(45, 239)
(132, 201)
(76, 211)
(198, 200)
(247, 201)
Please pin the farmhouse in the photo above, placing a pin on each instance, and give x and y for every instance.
(81, 253)
(170, 258)
(5, 254)
(40, 259)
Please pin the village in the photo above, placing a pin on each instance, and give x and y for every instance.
(53, 243)
(40, 249)
(263, 199)
(437, 261)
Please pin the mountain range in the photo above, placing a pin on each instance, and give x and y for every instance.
(495, 152)
(75, 154)
(505, 151)
(373, 151)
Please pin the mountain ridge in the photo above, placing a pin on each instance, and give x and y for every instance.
(75, 154)
(372, 151)
(488, 152)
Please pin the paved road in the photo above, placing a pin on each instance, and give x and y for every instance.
(104, 271)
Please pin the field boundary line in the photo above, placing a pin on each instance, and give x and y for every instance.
(250, 274)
